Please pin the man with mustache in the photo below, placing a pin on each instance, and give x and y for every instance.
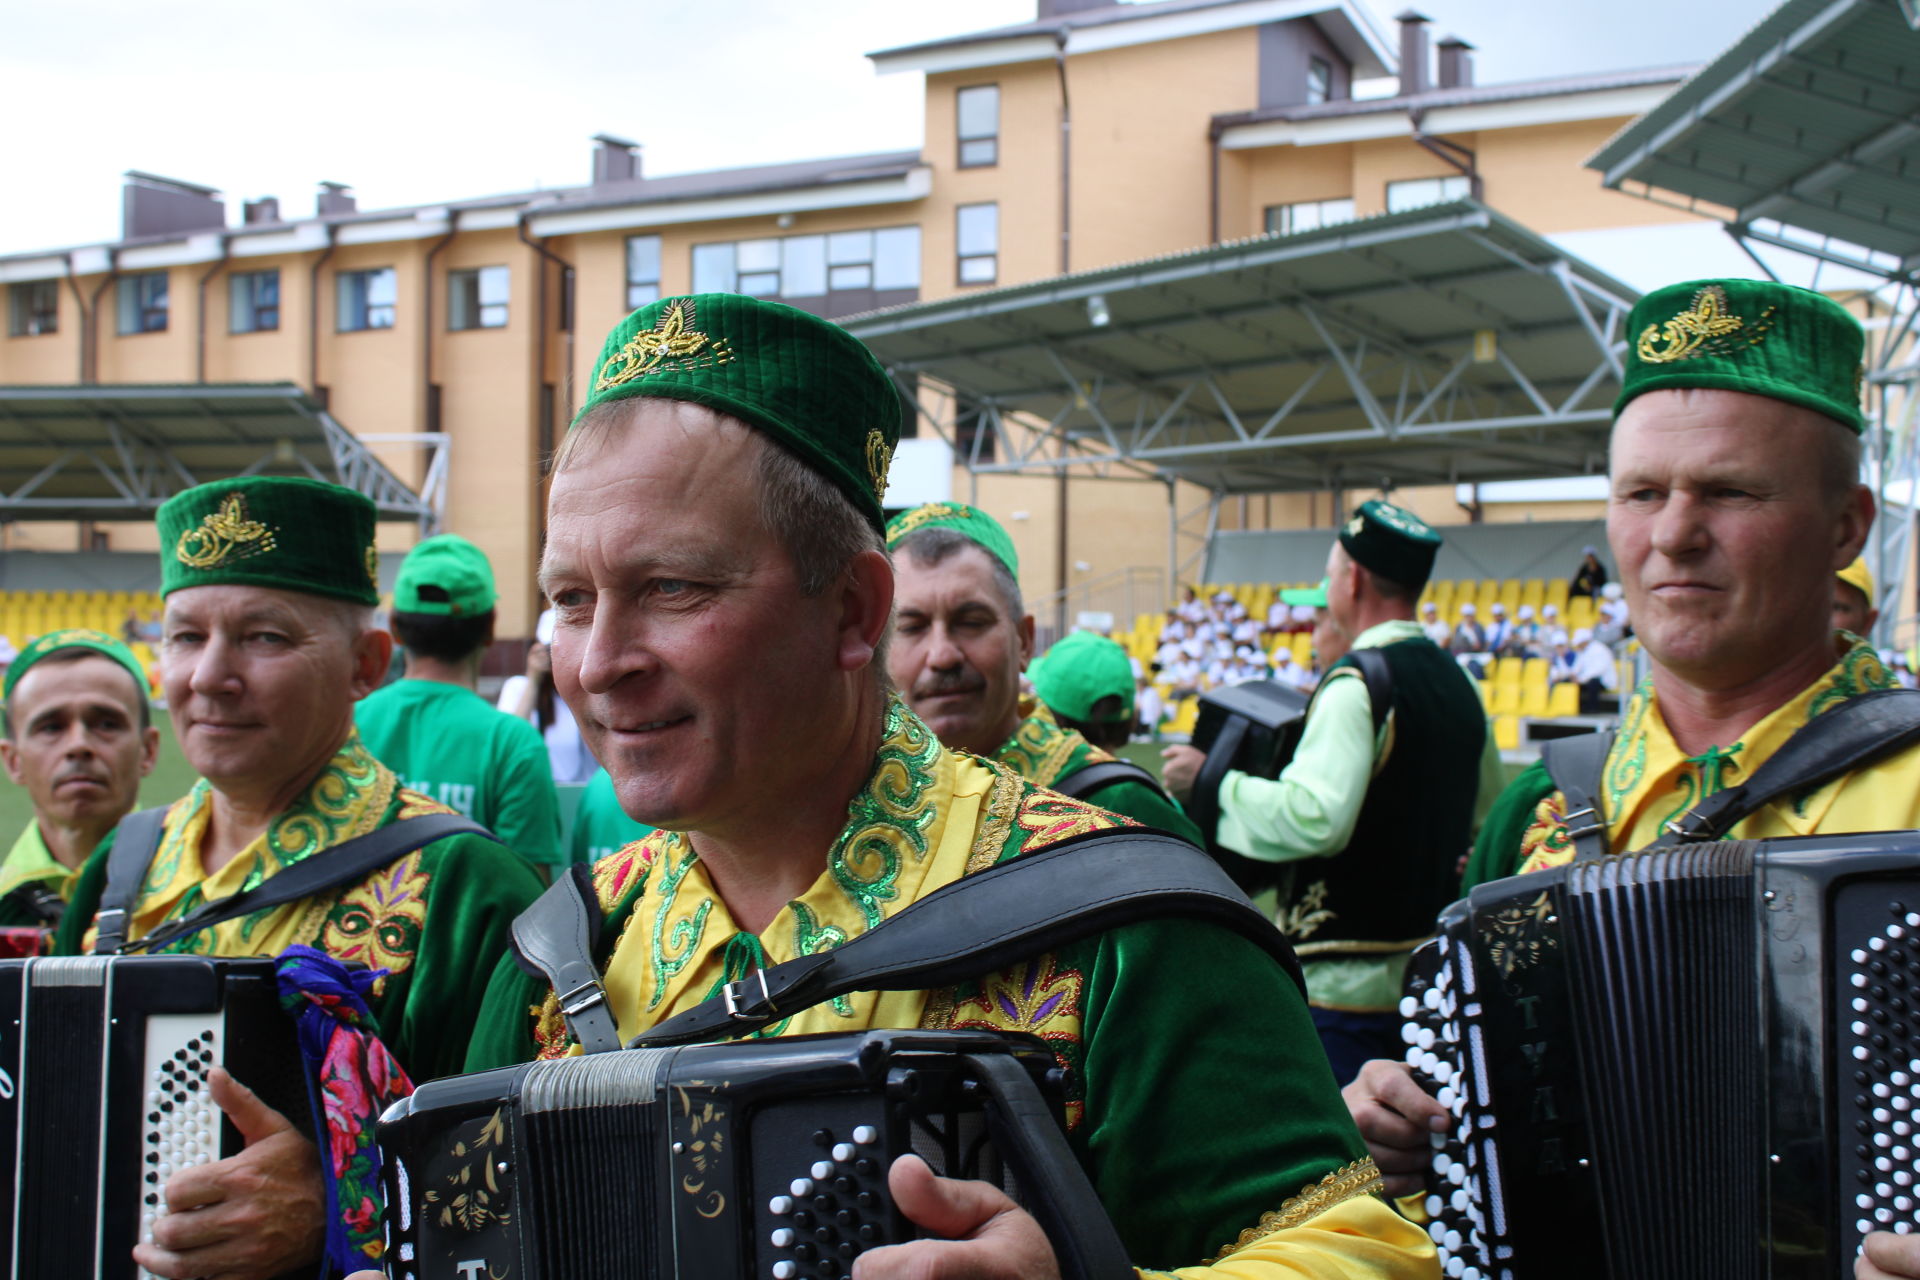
(716, 561)
(961, 638)
(1734, 470)
(79, 737)
(268, 641)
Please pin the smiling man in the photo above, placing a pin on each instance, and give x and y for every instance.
(268, 641)
(716, 562)
(79, 737)
(1735, 498)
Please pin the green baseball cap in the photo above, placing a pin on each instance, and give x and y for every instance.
(971, 522)
(1755, 336)
(74, 638)
(1315, 597)
(271, 531)
(1081, 669)
(445, 575)
(1392, 542)
(808, 383)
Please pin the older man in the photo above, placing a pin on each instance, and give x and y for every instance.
(79, 737)
(1735, 498)
(715, 555)
(961, 637)
(1379, 802)
(268, 641)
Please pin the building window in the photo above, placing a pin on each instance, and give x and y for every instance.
(33, 308)
(977, 112)
(1416, 193)
(978, 242)
(143, 303)
(1319, 81)
(477, 298)
(254, 302)
(643, 271)
(1286, 219)
(813, 267)
(367, 299)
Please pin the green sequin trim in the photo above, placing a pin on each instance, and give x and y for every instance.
(1860, 671)
(684, 938)
(810, 938)
(1041, 751)
(889, 817)
(1628, 766)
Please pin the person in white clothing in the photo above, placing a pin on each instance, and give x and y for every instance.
(532, 697)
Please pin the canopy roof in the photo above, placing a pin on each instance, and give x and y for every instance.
(1442, 345)
(118, 452)
(1810, 121)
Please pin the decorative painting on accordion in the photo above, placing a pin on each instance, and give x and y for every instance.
(1704, 1059)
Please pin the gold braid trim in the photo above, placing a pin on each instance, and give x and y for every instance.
(1358, 1179)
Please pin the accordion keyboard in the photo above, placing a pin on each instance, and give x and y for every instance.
(836, 1212)
(181, 1126)
(1883, 980)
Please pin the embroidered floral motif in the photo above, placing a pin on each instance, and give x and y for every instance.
(1860, 671)
(1520, 934)
(879, 461)
(810, 938)
(1049, 819)
(888, 820)
(676, 944)
(1304, 918)
(1546, 836)
(1040, 998)
(223, 535)
(1705, 328)
(673, 339)
(1041, 751)
(625, 870)
(1003, 802)
(1627, 762)
(378, 921)
(1360, 1178)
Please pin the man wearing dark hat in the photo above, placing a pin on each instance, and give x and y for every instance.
(432, 728)
(960, 639)
(1734, 468)
(1378, 804)
(79, 737)
(717, 563)
(268, 641)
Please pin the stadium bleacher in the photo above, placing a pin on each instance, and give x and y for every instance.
(26, 615)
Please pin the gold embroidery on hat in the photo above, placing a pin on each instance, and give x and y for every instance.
(1355, 525)
(674, 338)
(879, 461)
(373, 566)
(924, 515)
(1703, 329)
(227, 534)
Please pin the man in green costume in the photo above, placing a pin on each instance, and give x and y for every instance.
(1372, 815)
(268, 641)
(434, 730)
(716, 561)
(961, 637)
(79, 737)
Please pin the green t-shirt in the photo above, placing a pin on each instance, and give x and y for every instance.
(600, 825)
(450, 745)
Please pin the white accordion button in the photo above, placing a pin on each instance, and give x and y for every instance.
(864, 1134)
(780, 1206)
(800, 1187)
(821, 1169)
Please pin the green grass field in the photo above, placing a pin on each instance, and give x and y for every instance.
(171, 777)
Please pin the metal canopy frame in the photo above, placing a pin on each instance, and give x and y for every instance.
(1443, 345)
(117, 452)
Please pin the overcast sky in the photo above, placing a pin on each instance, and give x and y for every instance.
(417, 101)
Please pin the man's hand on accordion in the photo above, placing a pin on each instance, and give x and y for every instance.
(1888, 1257)
(987, 1235)
(250, 1216)
(1397, 1118)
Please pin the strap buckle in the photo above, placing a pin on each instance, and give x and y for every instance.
(588, 995)
(735, 1001)
(1575, 833)
(1678, 829)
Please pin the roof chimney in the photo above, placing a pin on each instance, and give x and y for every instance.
(1060, 8)
(265, 209)
(335, 198)
(1456, 63)
(1413, 53)
(151, 205)
(615, 160)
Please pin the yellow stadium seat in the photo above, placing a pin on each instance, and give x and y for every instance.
(1563, 699)
(1534, 671)
(1579, 613)
(1303, 648)
(1184, 716)
(1506, 733)
(1506, 671)
(1505, 700)
(1533, 701)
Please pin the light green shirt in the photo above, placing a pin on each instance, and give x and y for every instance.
(32, 860)
(1310, 810)
(600, 826)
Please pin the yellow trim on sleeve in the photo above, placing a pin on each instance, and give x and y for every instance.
(1360, 1178)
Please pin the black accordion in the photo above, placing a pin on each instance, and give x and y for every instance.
(103, 1095)
(1700, 1061)
(1253, 727)
(762, 1159)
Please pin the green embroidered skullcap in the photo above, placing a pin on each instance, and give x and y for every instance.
(1314, 597)
(1081, 669)
(1392, 542)
(809, 384)
(1747, 335)
(74, 638)
(972, 522)
(445, 575)
(271, 531)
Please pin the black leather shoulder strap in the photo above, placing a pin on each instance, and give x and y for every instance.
(1373, 668)
(1090, 780)
(135, 841)
(1857, 732)
(1576, 764)
(555, 939)
(344, 863)
(986, 921)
